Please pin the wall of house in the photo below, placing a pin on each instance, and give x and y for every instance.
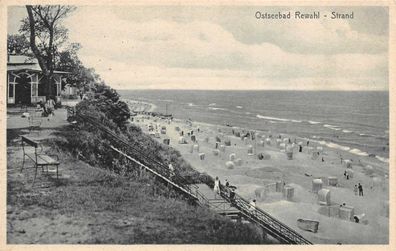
(38, 91)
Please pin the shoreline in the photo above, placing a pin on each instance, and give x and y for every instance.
(352, 151)
(139, 106)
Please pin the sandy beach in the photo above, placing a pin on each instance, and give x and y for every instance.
(256, 178)
(139, 106)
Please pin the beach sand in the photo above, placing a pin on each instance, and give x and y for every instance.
(255, 174)
(139, 106)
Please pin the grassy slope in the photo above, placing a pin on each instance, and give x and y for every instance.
(92, 205)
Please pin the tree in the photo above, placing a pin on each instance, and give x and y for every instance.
(46, 33)
(17, 44)
(79, 76)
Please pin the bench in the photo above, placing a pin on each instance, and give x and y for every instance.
(39, 159)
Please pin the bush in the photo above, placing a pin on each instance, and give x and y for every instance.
(106, 100)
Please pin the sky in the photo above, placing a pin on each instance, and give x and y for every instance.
(227, 47)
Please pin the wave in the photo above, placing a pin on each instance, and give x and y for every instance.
(348, 149)
(217, 108)
(337, 128)
(271, 118)
(313, 122)
(332, 127)
(385, 160)
(239, 107)
(191, 104)
(337, 146)
(212, 104)
(358, 152)
(277, 119)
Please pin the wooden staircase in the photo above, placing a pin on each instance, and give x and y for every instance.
(221, 203)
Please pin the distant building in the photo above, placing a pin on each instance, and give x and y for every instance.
(23, 81)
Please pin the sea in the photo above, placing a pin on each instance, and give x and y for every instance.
(353, 121)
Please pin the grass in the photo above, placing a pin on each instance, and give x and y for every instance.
(95, 205)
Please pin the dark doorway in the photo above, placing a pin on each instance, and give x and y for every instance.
(23, 90)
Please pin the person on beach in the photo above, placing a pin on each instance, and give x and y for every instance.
(252, 205)
(307, 142)
(360, 187)
(355, 190)
(345, 173)
(232, 194)
(171, 170)
(216, 187)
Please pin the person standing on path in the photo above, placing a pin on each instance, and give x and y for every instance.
(216, 187)
(360, 187)
(50, 106)
(355, 190)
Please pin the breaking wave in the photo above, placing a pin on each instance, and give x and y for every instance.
(271, 118)
(277, 119)
(386, 160)
(217, 108)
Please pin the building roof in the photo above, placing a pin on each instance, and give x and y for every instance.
(22, 62)
(29, 67)
(21, 59)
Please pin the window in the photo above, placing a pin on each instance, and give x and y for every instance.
(34, 85)
(11, 90)
(58, 89)
(58, 85)
(11, 78)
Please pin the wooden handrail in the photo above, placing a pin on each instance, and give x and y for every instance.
(271, 225)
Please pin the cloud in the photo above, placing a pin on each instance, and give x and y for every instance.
(319, 36)
(202, 54)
